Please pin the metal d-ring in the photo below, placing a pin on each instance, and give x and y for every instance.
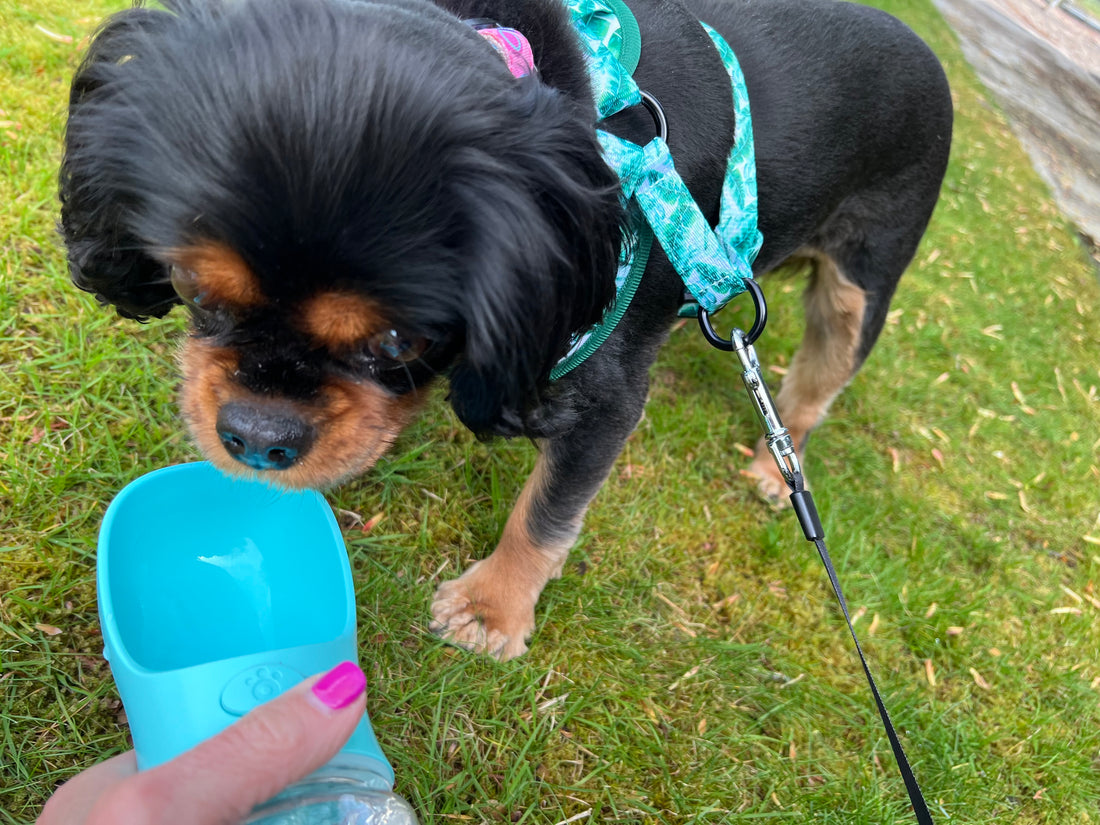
(657, 113)
(726, 344)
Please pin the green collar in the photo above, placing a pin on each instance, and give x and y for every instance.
(713, 263)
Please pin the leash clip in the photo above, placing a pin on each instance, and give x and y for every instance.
(777, 437)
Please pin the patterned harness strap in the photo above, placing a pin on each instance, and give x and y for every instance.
(714, 264)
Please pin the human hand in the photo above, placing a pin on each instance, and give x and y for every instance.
(220, 780)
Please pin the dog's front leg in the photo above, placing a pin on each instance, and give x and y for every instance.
(491, 607)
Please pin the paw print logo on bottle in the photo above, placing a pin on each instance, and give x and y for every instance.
(256, 685)
(266, 683)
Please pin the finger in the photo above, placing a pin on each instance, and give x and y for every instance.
(72, 801)
(222, 779)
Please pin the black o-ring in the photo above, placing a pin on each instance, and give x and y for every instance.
(657, 113)
(726, 344)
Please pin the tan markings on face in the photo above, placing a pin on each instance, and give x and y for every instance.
(355, 422)
(221, 274)
(340, 320)
(359, 421)
(207, 384)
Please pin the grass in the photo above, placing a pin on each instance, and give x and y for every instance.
(1090, 7)
(690, 666)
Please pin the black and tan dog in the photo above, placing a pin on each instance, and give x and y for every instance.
(354, 198)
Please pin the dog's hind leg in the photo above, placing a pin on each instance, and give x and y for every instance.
(857, 260)
(825, 362)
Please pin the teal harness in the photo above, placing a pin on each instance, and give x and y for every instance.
(713, 263)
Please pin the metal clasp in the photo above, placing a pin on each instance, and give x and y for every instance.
(777, 437)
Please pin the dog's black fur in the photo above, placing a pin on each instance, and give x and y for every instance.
(379, 154)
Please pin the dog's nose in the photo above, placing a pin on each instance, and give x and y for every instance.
(263, 439)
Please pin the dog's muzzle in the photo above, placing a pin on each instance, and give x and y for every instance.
(263, 438)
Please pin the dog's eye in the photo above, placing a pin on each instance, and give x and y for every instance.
(392, 345)
(186, 284)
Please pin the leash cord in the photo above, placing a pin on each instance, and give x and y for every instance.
(806, 512)
(782, 449)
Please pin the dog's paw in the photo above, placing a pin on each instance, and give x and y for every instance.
(770, 483)
(467, 612)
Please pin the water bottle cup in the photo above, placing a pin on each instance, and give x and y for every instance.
(217, 594)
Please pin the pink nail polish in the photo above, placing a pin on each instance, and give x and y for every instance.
(340, 686)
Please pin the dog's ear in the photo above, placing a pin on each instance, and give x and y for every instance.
(105, 256)
(544, 231)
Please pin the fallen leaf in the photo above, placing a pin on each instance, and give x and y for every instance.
(59, 38)
(726, 602)
(1071, 594)
(372, 522)
(895, 457)
(1020, 399)
(684, 678)
(979, 680)
(1023, 503)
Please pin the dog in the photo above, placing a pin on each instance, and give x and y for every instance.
(354, 199)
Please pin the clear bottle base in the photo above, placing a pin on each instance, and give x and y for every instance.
(340, 793)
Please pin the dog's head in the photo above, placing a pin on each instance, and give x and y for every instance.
(349, 199)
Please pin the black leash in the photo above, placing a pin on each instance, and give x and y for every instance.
(804, 508)
(782, 449)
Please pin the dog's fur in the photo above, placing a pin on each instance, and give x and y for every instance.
(315, 173)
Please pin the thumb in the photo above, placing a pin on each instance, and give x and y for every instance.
(221, 779)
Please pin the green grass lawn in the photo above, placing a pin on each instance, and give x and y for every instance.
(690, 666)
(1090, 7)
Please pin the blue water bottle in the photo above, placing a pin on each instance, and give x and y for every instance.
(217, 594)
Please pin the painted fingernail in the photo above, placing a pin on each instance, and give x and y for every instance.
(340, 686)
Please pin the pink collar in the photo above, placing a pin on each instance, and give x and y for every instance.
(512, 46)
